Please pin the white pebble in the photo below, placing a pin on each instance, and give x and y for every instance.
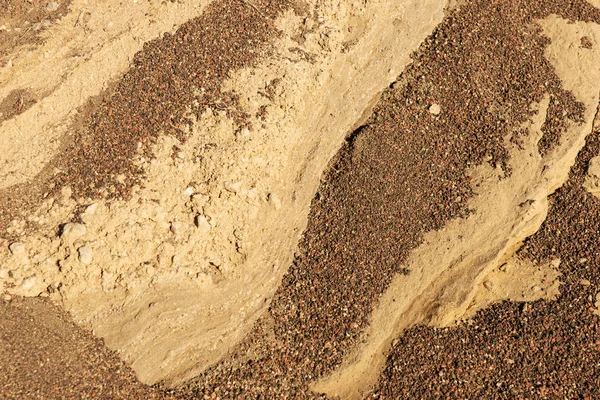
(28, 283)
(52, 6)
(73, 231)
(91, 209)
(435, 109)
(85, 254)
(233, 187)
(202, 223)
(274, 200)
(178, 227)
(17, 248)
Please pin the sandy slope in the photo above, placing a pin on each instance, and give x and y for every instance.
(175, 273)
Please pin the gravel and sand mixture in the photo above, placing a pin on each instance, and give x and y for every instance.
(405, 171)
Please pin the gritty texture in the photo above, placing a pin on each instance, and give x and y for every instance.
(167, 78)
(520, 350)
(169, 82)
(400, 175)
(403, 173)
(44, 355)
(22, 21)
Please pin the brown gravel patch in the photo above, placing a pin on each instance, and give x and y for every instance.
(44, 355)
(24, 20)
(400, 175)
(511, 350)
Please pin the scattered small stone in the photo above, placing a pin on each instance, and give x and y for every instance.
(179, 227)
(17, 248)
(91, 209)
(585, 282)
(85, 254)
(73, 231)
(202, 224)
(274, 200)
(28, 283)
(435, 109)
(52, 6)
(233, 187)
(7, 297)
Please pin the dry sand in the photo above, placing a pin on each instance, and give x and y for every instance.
(162, 204)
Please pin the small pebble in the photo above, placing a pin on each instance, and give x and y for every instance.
(91, 209)
(274, 200)
(85, 254)
(28, 283)
(17, 248)
(73, 231)
(178, 227)
(202, 223)
(51, 6)
(435, 109)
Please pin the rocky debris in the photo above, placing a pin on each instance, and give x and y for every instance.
(435, 109)
(52, 6)
(202, 223)
(17, 248)
(592, 178)
(274, 201)
(85, 254)
(73, 231)
(91, 209)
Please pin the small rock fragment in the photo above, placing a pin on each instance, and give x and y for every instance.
(91, 209)
(85, 254)
(202, 223)
(179, 227)
(274, 200)
(27, 284)
(592, 179)
(17, 248)
(51, 6)
(233, 187)
(73, 231)
(435, 109)
(7, 297)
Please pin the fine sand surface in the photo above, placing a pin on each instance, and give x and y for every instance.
(273, 199)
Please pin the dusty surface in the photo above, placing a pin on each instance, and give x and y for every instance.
(420, 217)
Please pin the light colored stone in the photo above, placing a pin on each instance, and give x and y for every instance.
(86, 254)
(179, 227)
(27, 284)
(91, 209)
(52, 6)
(435, 109)
(274, 200)
(202, 224)
(592, 179)
(17, 248)
(73, 231)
